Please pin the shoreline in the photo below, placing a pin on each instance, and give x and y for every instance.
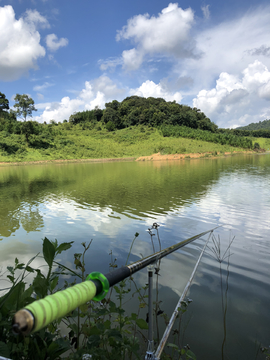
(153, 157)
(61, 161)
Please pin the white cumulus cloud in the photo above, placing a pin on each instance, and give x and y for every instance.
(237, 100)
(53, 43)
(95, 93)
(62, 110)
(229, 46)
(19, 43)
(151, 89)
(256, 75)
(166, 34)
(132, 59)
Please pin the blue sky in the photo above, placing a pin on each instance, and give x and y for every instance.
(74, 55)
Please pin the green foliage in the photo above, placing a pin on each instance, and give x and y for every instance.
(24, 106)
(131, 128)
(183, 353)
(266, 351)
(31, 141)
(6, 117)
(256, 146)
(4, 103)
(110, 126)
(18, 296)
(220, 138)
(91, 116)
(263, 133)
(260, 133)
(67, 141)
(27, 128)
(154, 112)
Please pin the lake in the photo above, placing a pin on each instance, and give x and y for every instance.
(110, 202)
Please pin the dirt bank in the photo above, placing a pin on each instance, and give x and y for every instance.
(159, 157)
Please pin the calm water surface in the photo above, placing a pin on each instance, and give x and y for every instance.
(109, 202)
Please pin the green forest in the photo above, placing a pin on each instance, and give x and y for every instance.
(136, 126)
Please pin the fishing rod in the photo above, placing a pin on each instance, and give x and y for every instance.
(42, 312)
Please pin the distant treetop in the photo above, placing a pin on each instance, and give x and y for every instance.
(4, 103)
(24, 106)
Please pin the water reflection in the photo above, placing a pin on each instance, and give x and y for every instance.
(110, 202)
(137, 190)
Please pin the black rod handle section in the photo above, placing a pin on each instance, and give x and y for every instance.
(118, 275)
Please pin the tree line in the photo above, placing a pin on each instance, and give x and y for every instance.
(242, 132)
(223, 138)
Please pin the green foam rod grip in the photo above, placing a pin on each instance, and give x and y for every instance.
(60, 304)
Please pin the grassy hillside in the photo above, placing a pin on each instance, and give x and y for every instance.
(67, 141)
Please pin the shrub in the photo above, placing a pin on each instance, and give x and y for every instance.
(256, 146)
(110, 126)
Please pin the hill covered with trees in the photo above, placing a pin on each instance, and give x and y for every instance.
(173, 120)
(154, 112)
(142, 124)
(261, 125)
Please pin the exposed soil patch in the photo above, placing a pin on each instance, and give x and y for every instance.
(159, 157)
